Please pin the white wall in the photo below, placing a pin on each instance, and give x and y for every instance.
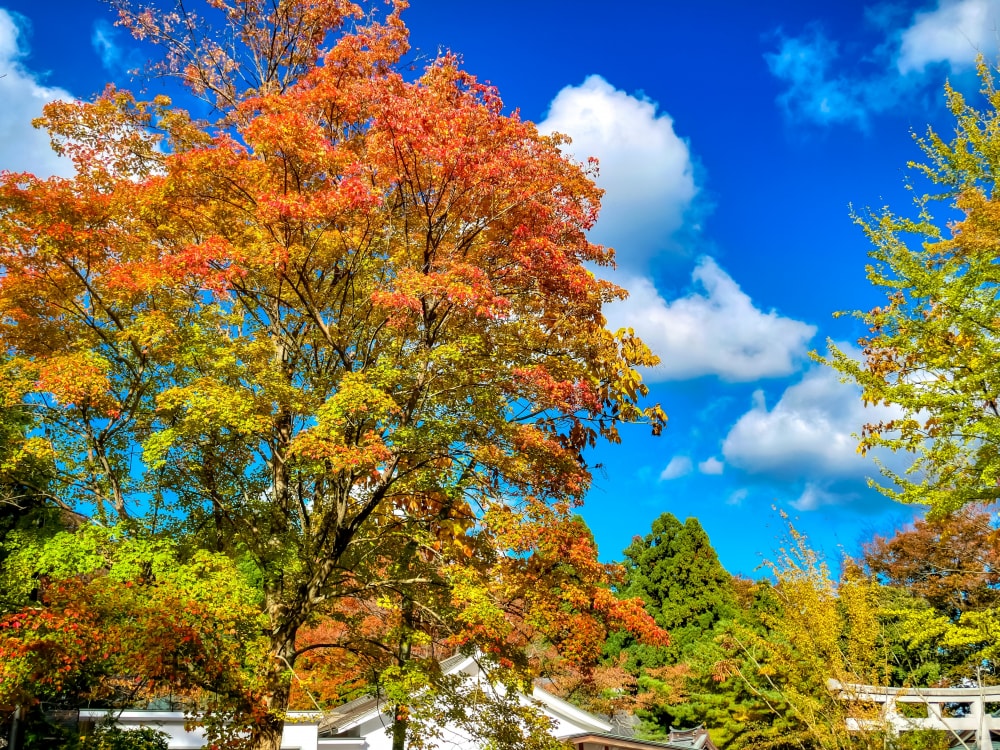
(301, 728)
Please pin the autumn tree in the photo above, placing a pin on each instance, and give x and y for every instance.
(800, 631)
(118, 620)
(942, 571)
(354, 306)
(952, 561)
(931, 348)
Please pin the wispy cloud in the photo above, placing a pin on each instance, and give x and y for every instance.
(818, 91)
(105, 43)
(822, 86)
(678, 467)
(738, 496)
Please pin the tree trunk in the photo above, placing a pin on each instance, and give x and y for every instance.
(400, 722)
(401, 718)
(268, 727)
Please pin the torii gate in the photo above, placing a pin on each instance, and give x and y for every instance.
(977, 719)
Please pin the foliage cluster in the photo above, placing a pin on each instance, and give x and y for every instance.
(296, 399)
(300, 391)
(757, 671)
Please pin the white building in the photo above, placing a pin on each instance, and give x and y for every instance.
(361, 724)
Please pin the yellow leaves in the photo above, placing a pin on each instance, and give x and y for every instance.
(357, 400)
(207, 405)
(30, 452)
(106, 139)
(932, 349)
(154, 332)
(347, 434)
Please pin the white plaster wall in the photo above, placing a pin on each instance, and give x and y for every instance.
(301, 729)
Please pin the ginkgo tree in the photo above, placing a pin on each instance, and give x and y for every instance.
(350, 307)
(931, 349)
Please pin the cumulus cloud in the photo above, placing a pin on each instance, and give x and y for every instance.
(648, 174)
(954, 32)
(679, 466)
(645, 167)
(22, 147)
(807, 433)
(809, 430)
(806, 441)
(714, 330)
(711, 465)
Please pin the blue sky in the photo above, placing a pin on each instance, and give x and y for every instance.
(733, 137)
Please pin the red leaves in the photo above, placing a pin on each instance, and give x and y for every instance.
(562, 395)
(92, 633)
(563, 591)
(952, 561)
(208, 264)
(78, 379)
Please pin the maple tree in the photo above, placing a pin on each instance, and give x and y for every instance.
(119, 618)
(931, 348)
(350, 310)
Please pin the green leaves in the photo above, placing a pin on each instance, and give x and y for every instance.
(931, 350)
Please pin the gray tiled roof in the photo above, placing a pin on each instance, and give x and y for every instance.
(614, 738)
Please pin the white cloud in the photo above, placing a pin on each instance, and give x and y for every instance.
(711, 465)
(815, 93)
(22, 147)
(104, 43)
(715, 330)
(738, 496)
(826, 88)
(679, 466)
(816, 495)
(645, 167)
(805, 443)
(648, 175)
(807, 434)
(954, 32)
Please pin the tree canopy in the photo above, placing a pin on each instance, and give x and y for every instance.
(343, 333)
(952, 561)
(931, 348)
(677, 573)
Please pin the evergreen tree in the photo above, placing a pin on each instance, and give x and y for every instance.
(677, 573)
(675, 570)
